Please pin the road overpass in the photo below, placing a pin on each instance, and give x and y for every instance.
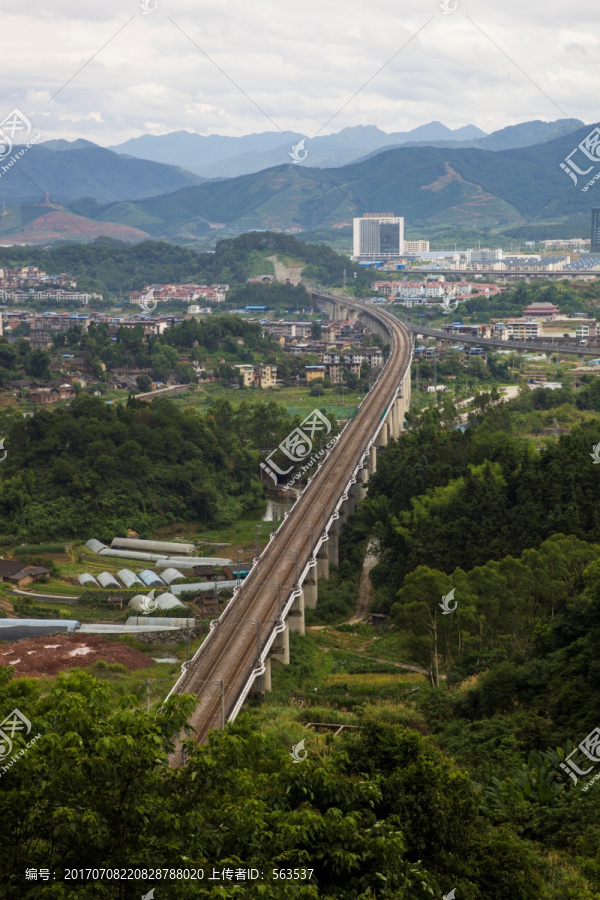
(504, 275)
(253, 631)
(454, 337)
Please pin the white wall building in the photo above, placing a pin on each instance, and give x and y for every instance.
(378, 236)
(484, 256)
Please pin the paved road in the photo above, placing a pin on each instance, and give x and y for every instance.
(529, 346)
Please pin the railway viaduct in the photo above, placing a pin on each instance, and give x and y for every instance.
(252, 633)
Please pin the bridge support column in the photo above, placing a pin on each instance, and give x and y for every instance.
(382, 437)
(351, 501)
(400, 405)
(295, 619)
(263, 683)
(343, 513)
(280, 651)
(372, 459)
(334, 542)
(309, 589)
(363, 477)
(323, 562)
(390, 421)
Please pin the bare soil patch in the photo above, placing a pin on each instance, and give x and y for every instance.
(54, 653)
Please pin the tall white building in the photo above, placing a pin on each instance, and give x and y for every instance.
(378, 236)
(484, 256)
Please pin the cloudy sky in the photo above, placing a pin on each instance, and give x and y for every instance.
(106, 71)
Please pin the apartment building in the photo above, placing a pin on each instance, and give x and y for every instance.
(264, 375)
(288, 329)
(416, 246)
(522, 329)
(312, 373)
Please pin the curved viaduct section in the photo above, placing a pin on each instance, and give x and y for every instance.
(253, 631)
(454, 337)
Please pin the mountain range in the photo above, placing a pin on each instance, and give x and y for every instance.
(433, 187)
(68, 170)
(216, 156)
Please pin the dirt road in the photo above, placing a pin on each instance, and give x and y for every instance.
(364, 587)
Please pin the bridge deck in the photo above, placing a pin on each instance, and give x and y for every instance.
(230, 652)
(529, 346)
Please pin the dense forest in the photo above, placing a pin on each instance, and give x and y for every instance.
(112, 267)
(511, 536)
(452, 498)
(382, 815)
(95, 470)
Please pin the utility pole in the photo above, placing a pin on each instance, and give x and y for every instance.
(222, 704)
(258, 641)
(148, 683)
(237, 573)
(257, 540)
(187, 640)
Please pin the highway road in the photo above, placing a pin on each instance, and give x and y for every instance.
(231, 651)
(528, 346)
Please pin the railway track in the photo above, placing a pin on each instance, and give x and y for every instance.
(231, 652)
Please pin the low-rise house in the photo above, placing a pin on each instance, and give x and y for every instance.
(264, 375)
(314, 372)
(19, 573)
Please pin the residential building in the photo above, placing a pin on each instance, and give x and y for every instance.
(522, 329)
(40, 339)
(267, 375)
(46, 395)
(21, 573)
(335, 373)
(569, 244)
(484, 256)
(416, 246)
(264, 375)
(247, 374)
(288, 329)
(312, 373)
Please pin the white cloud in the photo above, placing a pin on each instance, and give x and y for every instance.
(300, 63)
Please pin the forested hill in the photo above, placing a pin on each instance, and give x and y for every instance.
(454, 499)
(429, 186)
(97, 470)
(113, 266)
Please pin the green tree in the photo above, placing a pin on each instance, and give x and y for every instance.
(144, 383)
(37, 364)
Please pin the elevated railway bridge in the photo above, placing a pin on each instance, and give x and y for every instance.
(253, 631)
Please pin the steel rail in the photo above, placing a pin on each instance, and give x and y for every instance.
(230, 653)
